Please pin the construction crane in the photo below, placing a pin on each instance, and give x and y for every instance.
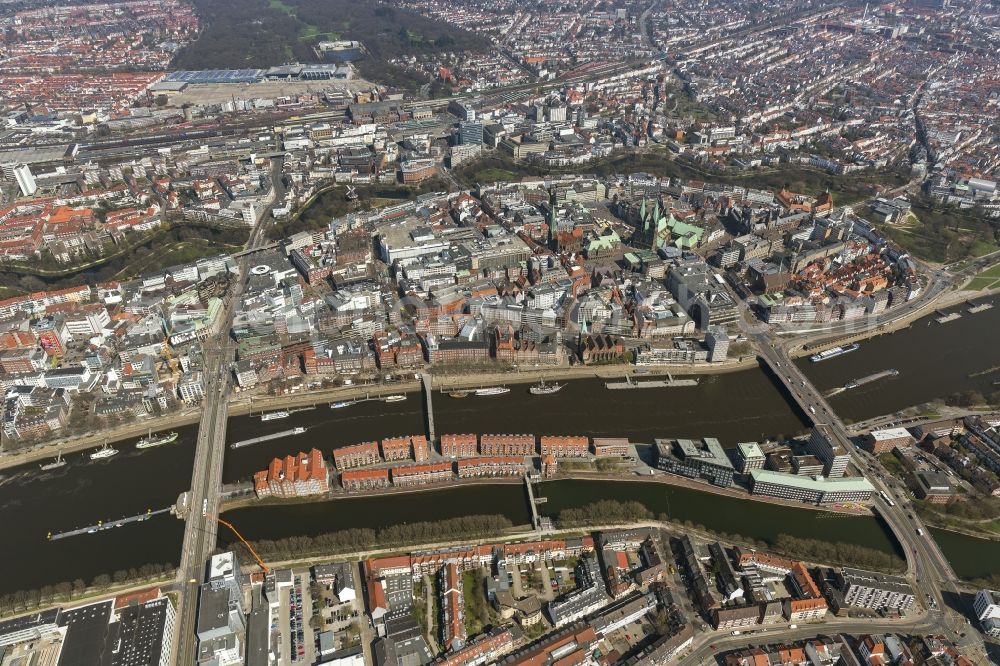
(246, 543)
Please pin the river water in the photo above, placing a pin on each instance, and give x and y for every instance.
(934, 360)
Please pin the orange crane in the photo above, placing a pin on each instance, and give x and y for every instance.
(246, 543)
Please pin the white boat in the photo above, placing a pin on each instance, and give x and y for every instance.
(394, 398)
(273, 416)
(55, 464)
(492, 390)
(298, 430)
(103, 452)
(833, 353)
(149, 441)
(340, 404)
(541, 388)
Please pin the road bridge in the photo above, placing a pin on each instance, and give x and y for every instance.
(202, 501)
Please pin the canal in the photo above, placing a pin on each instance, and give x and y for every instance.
(722, 513)
(934, 361)
(718, 513)
(971, 558)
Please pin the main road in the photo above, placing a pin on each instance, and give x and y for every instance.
(927, 567)
(200, 529)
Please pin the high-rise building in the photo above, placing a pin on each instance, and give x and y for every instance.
(22, 174)
(470, 133)
(834, 456)
(749, 456)
(221, 621)
(987, 607)
(717, 341)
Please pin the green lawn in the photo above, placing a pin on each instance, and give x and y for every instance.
(993, 272)
(983, 283)
(988, 279)
(475, 604)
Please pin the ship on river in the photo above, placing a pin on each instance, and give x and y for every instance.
(103, 452)
(55, 464)
(272, 416)
(149, 441)
(541, 388)
(833, 352)
(861, 381)
(492, 390)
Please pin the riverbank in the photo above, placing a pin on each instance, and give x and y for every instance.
(247, 403)
(947, 299)
(336, 496)
(735, 492)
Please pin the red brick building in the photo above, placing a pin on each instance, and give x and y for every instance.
(413, 447)
(356, 455)
(293, 476)
(459, 446)
(565, 447)
(413, 475)
(364, 479)
(490, 466)
(600, 348)
(507, 445)
(610, 446)
(396, 448)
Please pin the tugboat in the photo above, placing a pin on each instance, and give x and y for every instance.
(492, 390)
(103, 452)
(149, 441)
(55, 464)
(541, 388)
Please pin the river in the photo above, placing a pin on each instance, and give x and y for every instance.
(934, 360)
(34, 503)
(732, 407)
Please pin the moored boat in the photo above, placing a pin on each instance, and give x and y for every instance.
(55, 464)
(103, 452)
(492, 390)
(833, 353)
(541, 388)
(149, 441)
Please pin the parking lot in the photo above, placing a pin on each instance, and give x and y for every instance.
(296, 640)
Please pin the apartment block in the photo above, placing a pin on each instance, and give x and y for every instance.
(565, 447)
(507, 445)
(877, 591)
(397, 448)
(459, 446)
(415, 475)
(486, 466)
(356, 455)
(365, 479)
(293, 476)
(803, 610)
